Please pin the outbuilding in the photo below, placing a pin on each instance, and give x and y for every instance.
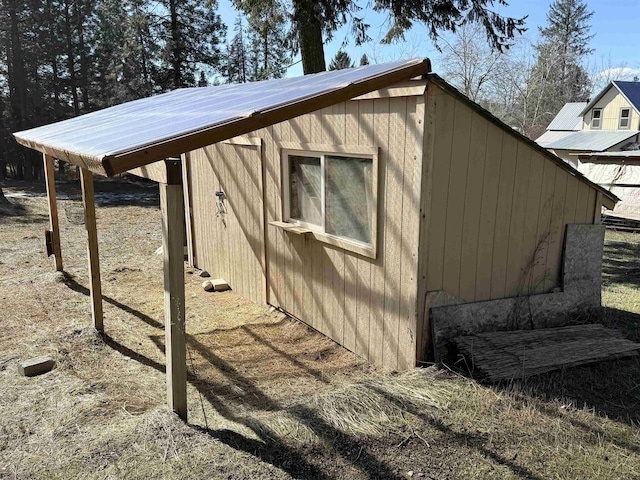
(370, 203)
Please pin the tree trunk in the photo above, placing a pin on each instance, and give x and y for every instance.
(71, 64)
(309, 37)
(84, 67)
(176, 55)
(54, 62)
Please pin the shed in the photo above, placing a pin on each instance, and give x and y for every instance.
(370, 203)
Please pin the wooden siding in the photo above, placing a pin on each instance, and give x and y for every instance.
(367, 305)
(611, 103)
(496, 211)
(229, 245)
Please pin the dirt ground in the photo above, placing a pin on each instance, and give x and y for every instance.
(268, 397)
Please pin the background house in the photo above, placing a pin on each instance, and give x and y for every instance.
(588, 135)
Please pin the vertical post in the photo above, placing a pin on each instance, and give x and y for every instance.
(187, 207)
(86, 179)
(172, 205)
(53, 210)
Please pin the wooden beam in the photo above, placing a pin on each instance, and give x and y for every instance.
(95, 287)
(186, 186)
(167, 171)
(172, 205)
(53, 210)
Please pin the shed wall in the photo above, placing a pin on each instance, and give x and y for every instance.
(367, 305)
(496, 211)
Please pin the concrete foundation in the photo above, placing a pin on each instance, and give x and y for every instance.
(579, 297)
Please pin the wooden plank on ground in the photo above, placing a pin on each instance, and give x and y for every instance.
(503, 356)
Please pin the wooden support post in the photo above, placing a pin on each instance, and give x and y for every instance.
(53, 210)
(95, 287)
(187, 208)
(172, 205)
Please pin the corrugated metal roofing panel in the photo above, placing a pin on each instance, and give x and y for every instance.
(631, 90)
(630, 154)
(551, 136)
(569, 117)
(591, 140)
(101, 139)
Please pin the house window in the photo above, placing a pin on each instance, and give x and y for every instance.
(332, 194)
(596, 118)
(625, 118)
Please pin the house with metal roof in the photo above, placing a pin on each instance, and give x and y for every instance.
(376, 204)
(607, 124)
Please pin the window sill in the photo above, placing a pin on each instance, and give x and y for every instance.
(365, 251)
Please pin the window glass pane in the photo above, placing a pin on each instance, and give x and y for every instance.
(305, 193)
(596, 113)
(349, 197)
(625, 113)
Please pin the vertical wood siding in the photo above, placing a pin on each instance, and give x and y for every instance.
(611, 103)
(367, 305)
(230, 245)
(496, 210)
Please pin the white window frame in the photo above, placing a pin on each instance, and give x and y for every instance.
(599, 119)
(317, 231)
(627, 118)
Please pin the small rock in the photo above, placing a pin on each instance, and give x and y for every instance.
(190, 270)
(36, 366)
(204, 274)
(220, 284)
(159, 251)
(410, 473)
(208, 286)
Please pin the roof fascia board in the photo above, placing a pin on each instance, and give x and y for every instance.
(436, 79)
(120, 163)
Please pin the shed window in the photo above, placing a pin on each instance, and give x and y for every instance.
(625, 118)
(596, 118)
(332, 194)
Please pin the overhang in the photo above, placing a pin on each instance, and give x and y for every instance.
(138, 133)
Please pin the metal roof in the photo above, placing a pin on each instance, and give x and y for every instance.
(551, 136)
(631, 90)
(591, 140)
(569, 117)
(141, 132)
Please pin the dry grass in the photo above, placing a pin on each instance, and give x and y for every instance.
(268, 397)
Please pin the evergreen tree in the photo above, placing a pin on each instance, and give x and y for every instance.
(237, 55)
(566, 37)
(340, 61)
(314, 21)
(364, 60)
(191, 31)
(268, 44)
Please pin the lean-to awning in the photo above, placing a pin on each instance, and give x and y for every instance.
(141, 132)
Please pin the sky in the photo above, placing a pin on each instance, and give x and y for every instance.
(614, 24)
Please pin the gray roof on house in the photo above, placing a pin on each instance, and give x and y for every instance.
(590, 140)
(141, 132)
(569, 117)
(552, 136)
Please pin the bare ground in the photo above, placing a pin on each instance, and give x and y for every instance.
(269, 397)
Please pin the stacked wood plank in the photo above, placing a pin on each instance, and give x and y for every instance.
(499, 356)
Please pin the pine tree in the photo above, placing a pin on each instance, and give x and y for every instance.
(268, 44)
(340, 61)
(191, 31)
(237, 55)
(314, 21)
(565, 42)
(364, 60)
